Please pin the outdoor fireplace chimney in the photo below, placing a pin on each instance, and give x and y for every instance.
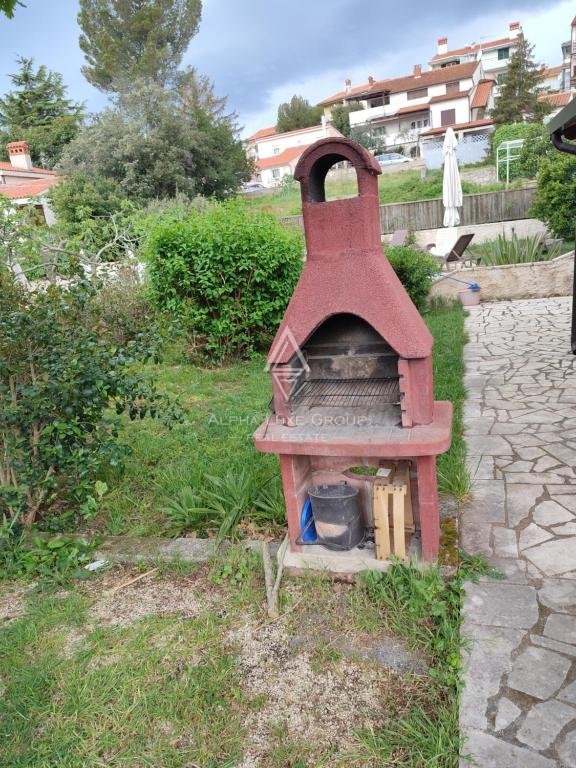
(351, 363)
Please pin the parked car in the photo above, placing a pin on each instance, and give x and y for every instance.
(253, 186)
(388, 158)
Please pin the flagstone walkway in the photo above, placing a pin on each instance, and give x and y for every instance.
(518, 708)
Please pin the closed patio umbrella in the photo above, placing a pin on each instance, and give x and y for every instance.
(451, 186)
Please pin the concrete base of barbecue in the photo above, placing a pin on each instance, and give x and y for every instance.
(310, 455)
(315, 557)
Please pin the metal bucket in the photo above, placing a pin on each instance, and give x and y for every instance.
(337, 516)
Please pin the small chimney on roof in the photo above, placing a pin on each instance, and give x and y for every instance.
(19, 153)
(417, 70)
(347, 85)
(442, 46)
(370, 80)
(514, 28)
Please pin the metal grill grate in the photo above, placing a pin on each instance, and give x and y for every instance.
(347, 392)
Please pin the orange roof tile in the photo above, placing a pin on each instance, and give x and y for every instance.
(552, 71)
(263, 133)
(27, 188)
(474, 48)
(284, 158)
(458, 127)
(411, 109)
(482, 94)
(449, 96)
(9, 167)
(556, 99)
(410, 82)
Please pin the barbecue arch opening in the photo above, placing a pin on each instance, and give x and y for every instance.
(317, 160)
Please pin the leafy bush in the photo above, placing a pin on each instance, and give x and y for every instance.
(555, 199)
(415, 269)
(229, 271)
(59, 375)
(516, 250)
(85, 208)
(53, 559)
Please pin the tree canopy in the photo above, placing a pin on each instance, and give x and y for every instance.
(7, 7)
(38, 111)
(158, 142)
(297, 113)
(124, 40)
(518, 101)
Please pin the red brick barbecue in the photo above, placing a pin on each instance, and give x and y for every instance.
(351, 363)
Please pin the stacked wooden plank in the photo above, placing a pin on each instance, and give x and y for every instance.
(392, 510)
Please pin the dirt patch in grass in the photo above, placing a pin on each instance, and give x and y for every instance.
(119, 605)
(13, 602)
(314, 702)
(304, 684)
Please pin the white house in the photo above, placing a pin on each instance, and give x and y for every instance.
(494, 54)
(24, 184)
(276, 154)
(401, 110)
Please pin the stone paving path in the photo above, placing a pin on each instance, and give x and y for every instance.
(518, 707)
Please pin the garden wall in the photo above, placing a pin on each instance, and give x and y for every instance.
(512, 281)
(506, 205)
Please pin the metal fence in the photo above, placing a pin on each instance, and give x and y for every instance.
(483, 208)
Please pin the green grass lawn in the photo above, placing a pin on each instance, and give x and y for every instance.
(180, 666)
(223, 407)
(400, 187)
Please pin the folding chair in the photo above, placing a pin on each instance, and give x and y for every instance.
(399, 237)
(449, 248)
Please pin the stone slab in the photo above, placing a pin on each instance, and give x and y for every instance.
(491, 752)
(543, 723)
(553, 558)
(562, 627)
(558, 594)
(538, 672)
(520, 498)
(499, 604)
(487, 657)
(506, 713)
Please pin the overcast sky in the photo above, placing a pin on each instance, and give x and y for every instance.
(259, 52)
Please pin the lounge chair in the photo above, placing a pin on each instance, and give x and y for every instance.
(450, 248)
(399, 237)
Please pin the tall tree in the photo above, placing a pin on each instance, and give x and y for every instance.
(518, 101)
(38, 111)
(157, 145)
(124, 40)
(7, 7)
(341, 117)
(297, 113)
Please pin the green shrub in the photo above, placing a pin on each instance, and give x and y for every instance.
(229, 271)
(555, 199)
(516, 250)
(415, 269)
(59, 377)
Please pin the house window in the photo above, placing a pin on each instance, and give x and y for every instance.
(447, 117)
(503, 53)
(275, 173)
(500, 77)
(418, 93)
(378, 102)
(453, 87)
(276, 150)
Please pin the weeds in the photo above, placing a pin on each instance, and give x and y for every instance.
(423, 607)
(222, 502)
